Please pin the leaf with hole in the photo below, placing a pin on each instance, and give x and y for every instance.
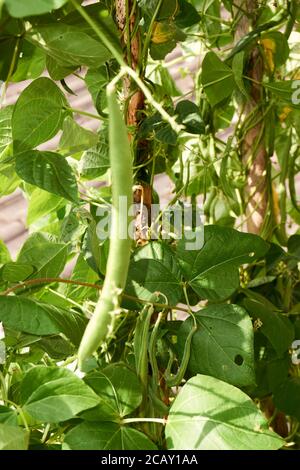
(222, 345)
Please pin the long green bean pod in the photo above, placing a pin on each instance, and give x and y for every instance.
(100, 324)
(175, 380)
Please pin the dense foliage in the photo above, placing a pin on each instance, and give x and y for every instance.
(203, 350)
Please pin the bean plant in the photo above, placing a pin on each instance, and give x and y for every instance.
(143, 335)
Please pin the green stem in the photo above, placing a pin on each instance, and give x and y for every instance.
(3, 388)
(149, 33)
(11, 68)
(50, 280)
(20, 411)
(84, 113)
(107, 43)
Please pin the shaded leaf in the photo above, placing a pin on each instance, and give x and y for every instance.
(154, 268)
(33, 317)
(189, 115)
(217, 79)
(287, 397)
(275, 326)
(106, 436)
(119, 391)
(31, 63)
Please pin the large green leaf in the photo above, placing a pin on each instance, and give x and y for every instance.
(8, 416)
(212, 271)
(33, 317)
(154, 269)
(53, 394)
(14, 272)
(42, 203)
(119, 391)
(209, 414)
(223, 344)
(38, 114)
(70, 45)
(106, 436)
(19, 9)
(48, 258)
(13, 437)
(217, 79)
(76, 138)
(5, 128)
(49, 171)
(287, 397)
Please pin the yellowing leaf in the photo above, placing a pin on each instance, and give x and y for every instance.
(269, 46)
(284, 114)
(162, 32)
